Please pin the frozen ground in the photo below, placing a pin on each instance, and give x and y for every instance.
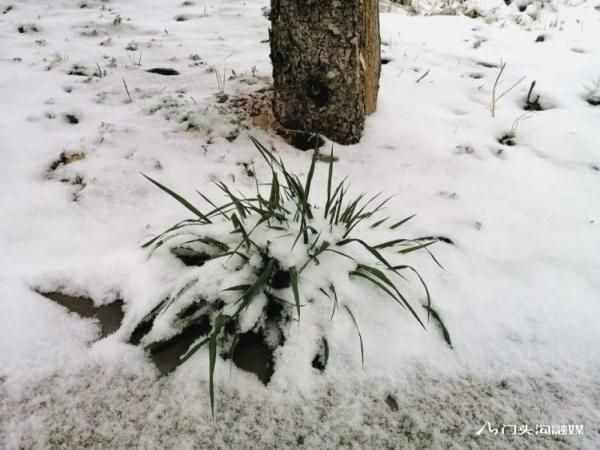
(520, 293)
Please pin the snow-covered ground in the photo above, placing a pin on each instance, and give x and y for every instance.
(520, 294)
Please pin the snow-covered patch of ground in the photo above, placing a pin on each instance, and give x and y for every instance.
(517, 193)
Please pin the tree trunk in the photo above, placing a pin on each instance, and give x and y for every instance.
(326, 65)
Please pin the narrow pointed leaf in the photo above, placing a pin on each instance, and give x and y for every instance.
(441, 325)
(295, 289)
(238, 287)
(377, 283)
(217, 209)
(177, 226)
(421, 280)
(379, 222)
(236, 201)
(311, 172)
(402, 222)
(414, 248)
(212, 359)
(265, 153)
(329, 182)
(255, 288)
(178, 197)
(362, 347)
(335, 300)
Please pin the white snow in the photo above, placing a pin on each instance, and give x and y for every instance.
(520, 293)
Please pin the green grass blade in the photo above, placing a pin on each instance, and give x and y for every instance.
(246, 258)
(212, 360)
(441, 325)
(369, 248)
(329, 297)
(332, 201)
(173, 298)
(313, 257)
(274, 196)
(236, 201)
(305, 209)
(193, 349)
(311, 172)
(421, 280)
(222, 210)
(341, 203)
(383, 279)
(379, 222)
(179, 198)
(391, 243)
(416, 247)
(237, 287)
(362, 347)
(295, 289)
(358, 216)
(335, 302)
(337, 252)
(265, 153)
(217, 209)
(435, 259)
(255, 288)
(355, 222)
(177, 226)
(239, 227)
(209, 241)
(402, 222)
(283, 301)
(377, 283)
(349, 211)
(329, 183)
(315, 242)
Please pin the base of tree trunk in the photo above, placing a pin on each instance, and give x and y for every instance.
(326, 65)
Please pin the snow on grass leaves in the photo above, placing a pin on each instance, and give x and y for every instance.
(265, 249)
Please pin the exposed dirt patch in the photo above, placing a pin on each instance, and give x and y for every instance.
(165, 71)
(509, 139)
(109, 316)
(28, 28)
(166, 355)
(66, 158)
(593, 100)
(255, 109)
(320, 360)
(253, 355)
(392, 403)
(535, 101)
(71, 119)
(190, 256)
(79, 70)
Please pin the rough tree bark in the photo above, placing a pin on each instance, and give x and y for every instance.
(326, 65)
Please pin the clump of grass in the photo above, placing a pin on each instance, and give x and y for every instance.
(240, 242)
